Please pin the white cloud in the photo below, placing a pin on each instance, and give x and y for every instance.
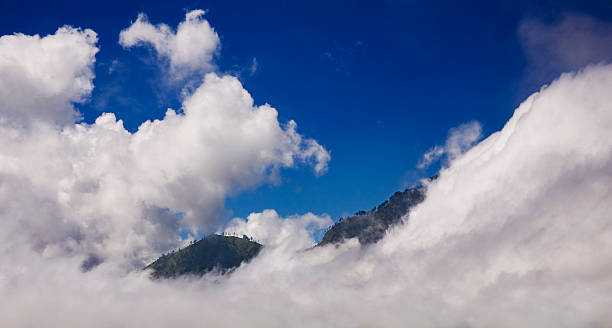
(515, 232)
(99, 191)
(40, 78)
(459, 140)
(254, 66)
(273, 231)
(108, 187)
(191, 49)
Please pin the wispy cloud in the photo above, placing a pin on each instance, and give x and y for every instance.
(254, 66)
(566, 44)
(459, 140)
(343, 57)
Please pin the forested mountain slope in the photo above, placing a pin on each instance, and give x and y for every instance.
(215, 252)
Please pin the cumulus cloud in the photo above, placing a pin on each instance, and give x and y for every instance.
(40, 78)
(569, 43)
(272, 230)
(514, 233)
(99, 191)
(459, 140)
(191, 48)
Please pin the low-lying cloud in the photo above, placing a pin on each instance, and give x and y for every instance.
(516, 231)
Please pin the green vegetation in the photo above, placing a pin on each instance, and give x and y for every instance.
(225, 253)
(370, 227)
(215, 252)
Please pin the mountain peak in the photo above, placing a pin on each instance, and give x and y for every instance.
(215, 252)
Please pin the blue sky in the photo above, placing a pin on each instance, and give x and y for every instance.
(376, 83)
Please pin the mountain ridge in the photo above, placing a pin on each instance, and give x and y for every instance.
(226, 253)
(370, 227)
(212, 253)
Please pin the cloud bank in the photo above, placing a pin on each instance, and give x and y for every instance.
(516, 231)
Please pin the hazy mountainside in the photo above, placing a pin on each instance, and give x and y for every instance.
(371, 226)
(214, 252)
(225, 253)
